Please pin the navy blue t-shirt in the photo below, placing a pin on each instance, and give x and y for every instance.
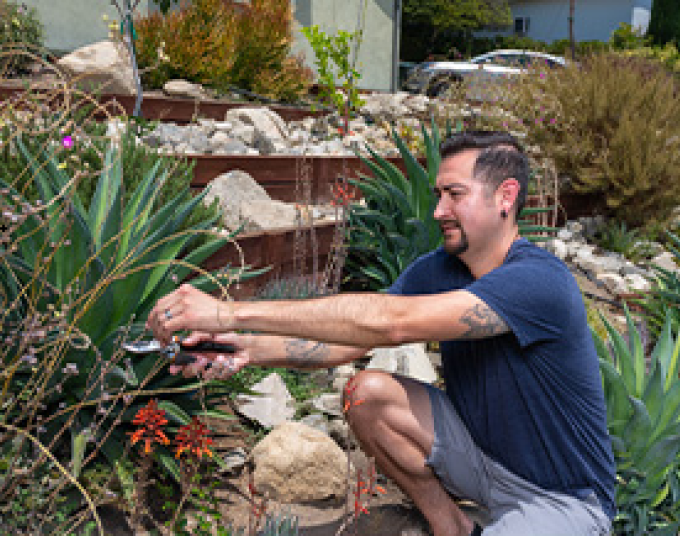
(532, 398)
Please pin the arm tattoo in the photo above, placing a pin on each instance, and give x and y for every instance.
(306, 354)
(482, 322)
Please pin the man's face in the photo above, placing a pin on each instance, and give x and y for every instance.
(466, 208)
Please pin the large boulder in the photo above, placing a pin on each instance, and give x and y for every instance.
(268, 124)
(102, 67)
(298, 464)
(231, 190)
(267, 214)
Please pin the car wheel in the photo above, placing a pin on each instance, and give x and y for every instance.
(438, 86)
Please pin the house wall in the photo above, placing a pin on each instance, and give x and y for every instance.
(593, 20)
(70, 24)
(379, 48)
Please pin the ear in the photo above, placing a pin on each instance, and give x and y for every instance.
(507, 193)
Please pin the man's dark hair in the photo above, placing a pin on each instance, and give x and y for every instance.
(501, 156)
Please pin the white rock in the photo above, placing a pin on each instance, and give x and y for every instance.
(246, 133)
(267, 214)
(183, 89)
(271, 406)
(637, 283)
(565, 235)
(329, 403)
(233, 189)
(666, 261)
(103, 67)
(263, 119)
(614, 283)
(558, 248)
(409, 360)
(297, 464)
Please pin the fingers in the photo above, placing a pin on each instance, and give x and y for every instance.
(221, 368)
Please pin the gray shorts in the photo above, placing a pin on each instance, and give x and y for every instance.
(514, 506)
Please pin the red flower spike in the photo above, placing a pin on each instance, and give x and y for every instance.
(194, 438)
(150, 419)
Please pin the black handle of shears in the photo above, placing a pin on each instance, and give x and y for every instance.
(182, 358)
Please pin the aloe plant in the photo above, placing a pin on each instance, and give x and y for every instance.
(396, 225)
(71, 278)
(643, 417)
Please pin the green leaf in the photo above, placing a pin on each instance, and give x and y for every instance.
(78, 446)
(173, 410)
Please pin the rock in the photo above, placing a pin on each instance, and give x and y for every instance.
(101, 67)
(183, 89)
(272, 405)
(565, 235)
(666, 261)
(235, 459)
(329, 403)
(267, 214)
(339, 430)
(614, 283)
(297, 464)
(246, 133)
(233, 189)
(268, 122)
(558, 248)
(408, 360)
(636, 282)
(316, 421)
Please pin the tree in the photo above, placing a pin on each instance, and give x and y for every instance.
(664, 25)
(429, 25)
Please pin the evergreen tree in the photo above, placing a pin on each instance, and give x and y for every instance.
(664, 25)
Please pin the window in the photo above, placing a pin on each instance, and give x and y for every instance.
(522, 25)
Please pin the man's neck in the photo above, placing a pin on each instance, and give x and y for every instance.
(483, 261)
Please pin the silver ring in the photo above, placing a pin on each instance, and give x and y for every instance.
(168, 315)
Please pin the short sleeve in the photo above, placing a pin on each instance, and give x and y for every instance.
(534, 297)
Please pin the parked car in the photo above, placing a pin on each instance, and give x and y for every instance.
(432, 78)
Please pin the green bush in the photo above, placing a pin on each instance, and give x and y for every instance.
(20, 33)
(224, 44)
(612, 125)
(643, 417)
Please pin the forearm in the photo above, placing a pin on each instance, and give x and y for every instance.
(366, 320)
(288, 352)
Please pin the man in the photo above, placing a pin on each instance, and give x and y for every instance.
(521, 429)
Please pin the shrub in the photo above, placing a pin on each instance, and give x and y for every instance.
(20, 33)
(612, 125)
(223, 44)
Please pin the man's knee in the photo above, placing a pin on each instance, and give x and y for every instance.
(368, 388)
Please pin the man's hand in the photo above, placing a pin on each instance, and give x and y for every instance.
(187, 308)
(210, 365)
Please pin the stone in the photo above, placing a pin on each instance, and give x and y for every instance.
(409, 360)
(234, 460)
(233, 189)
(565, 235)
(666, 261)
(271, 404)
(246, 133)
(183, 89)
(103, 67)
(339, 430)
(637, 283)
(268, 122)
(316, 421)
(267, 214)
(329, 403)
(297, 464)
(558, 248)
(614, 283)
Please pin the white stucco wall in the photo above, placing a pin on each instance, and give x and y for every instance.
(70, 24)
(593, 19)
(376, 53)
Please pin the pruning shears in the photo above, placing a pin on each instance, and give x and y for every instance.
(176, 351)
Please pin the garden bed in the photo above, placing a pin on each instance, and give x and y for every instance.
(159, 107)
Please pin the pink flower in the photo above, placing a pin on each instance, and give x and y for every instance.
(67, 142)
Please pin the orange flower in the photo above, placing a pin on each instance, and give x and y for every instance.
(194, 437)
(150, 419)
(349, 389)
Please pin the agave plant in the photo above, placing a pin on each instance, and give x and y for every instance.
(73, 280)
(643, 417)
(397, 223)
